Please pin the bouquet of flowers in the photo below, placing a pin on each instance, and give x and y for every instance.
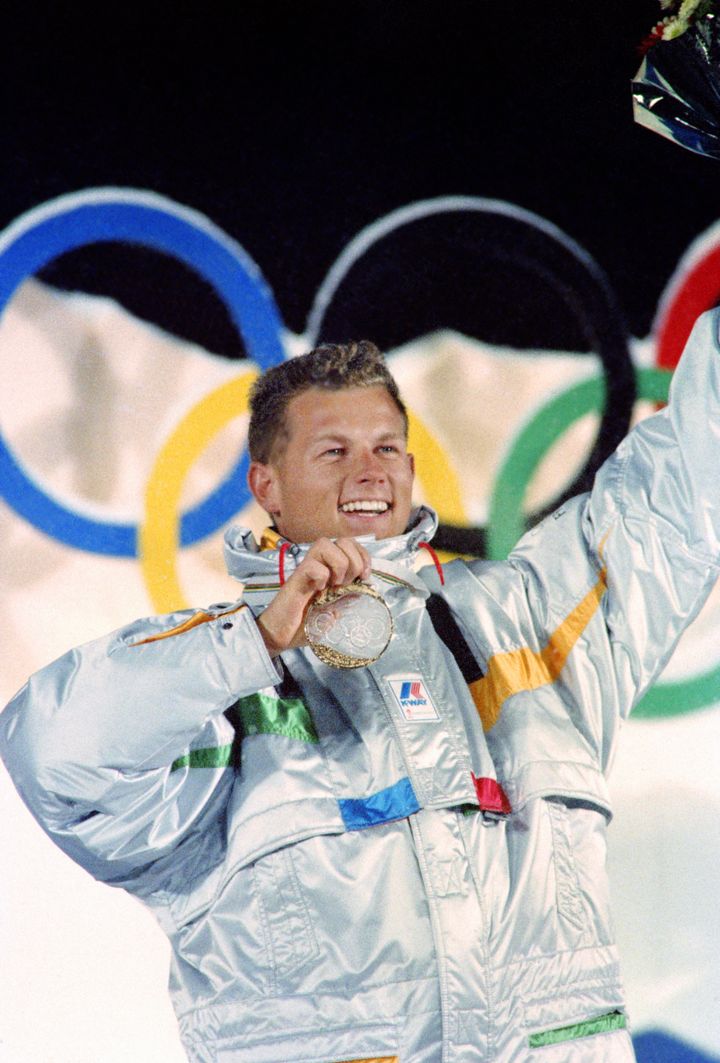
(676, 91)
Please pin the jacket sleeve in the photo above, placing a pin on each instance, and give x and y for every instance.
(98, 741)
(614, 578)
(653, 517)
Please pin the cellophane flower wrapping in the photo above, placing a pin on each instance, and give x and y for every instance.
(676, 91)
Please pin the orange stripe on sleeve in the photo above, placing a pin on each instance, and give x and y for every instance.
(377, 1059)
(195, 620)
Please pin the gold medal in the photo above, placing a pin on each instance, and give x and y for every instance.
(350, 626)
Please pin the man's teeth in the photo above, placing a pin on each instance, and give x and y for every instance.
(369, 506)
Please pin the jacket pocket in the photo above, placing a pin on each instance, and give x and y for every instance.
(579, 850)
(248, 932)
(567, 886)
(266, 835)
(290, 940)
(280, 793)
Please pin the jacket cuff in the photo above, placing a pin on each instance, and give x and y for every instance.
(241, 652)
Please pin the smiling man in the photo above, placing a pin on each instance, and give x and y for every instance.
(328, 442)
(403, 861)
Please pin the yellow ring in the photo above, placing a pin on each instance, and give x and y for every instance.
(435, 471)
(158, 537)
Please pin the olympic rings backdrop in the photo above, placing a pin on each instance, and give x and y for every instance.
(616, 377)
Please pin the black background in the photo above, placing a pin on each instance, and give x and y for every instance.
(293, 125)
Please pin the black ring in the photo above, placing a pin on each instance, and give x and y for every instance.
(414, 279)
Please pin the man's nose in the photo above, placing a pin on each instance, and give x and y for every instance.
(370, 468)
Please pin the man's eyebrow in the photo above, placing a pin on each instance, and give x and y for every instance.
(338, 437)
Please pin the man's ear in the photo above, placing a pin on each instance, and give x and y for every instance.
(263, 484)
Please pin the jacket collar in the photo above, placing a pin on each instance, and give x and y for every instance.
(247, 560)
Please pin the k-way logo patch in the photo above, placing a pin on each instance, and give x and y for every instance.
(414, 699)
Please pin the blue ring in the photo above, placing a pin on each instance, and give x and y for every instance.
(155, 222)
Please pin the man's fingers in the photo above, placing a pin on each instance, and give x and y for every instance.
(359, 564)
(332, 563)
(328, 563)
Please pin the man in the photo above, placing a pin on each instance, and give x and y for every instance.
(403, 861)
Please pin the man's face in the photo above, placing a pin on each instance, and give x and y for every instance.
(344, 469)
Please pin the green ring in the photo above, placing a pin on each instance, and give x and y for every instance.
(506, 525)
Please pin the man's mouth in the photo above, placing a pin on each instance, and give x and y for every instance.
(365, 505)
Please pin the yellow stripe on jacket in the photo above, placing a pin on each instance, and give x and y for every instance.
(526, 669)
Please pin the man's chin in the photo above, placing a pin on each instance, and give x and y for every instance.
(346, 526)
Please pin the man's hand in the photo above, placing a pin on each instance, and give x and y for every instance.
(328, 563)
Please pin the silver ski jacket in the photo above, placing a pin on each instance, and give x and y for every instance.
(389, 863)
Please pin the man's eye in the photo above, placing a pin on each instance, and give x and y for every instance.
(334, 451)
(388, 448)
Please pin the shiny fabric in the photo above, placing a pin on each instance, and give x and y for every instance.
(676, 91)
(330, 886)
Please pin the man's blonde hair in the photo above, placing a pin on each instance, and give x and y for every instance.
(332, 366)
